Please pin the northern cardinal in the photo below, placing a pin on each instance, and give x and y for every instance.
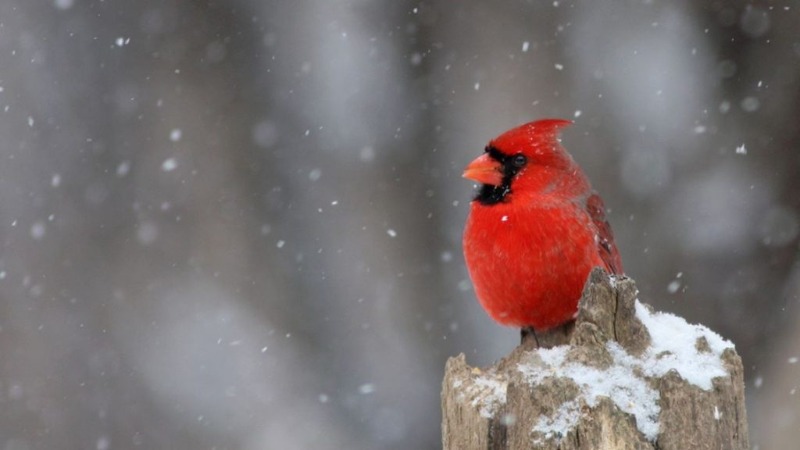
(535, 229)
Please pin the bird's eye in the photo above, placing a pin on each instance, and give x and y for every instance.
(520, 160)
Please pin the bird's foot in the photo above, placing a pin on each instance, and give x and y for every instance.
(531, 338)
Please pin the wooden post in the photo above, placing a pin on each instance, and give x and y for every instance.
(620, 377)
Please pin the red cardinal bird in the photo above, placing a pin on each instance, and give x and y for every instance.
(535, 229)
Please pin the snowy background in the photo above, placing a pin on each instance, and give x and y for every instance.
(236, 224)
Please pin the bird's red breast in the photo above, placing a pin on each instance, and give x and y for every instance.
(535, 230)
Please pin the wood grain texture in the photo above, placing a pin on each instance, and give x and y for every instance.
(499, 407)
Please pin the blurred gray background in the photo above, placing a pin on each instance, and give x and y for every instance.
(237, 224)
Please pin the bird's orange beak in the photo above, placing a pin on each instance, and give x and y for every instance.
(484, 169)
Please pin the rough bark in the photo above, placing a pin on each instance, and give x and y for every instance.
(518, 404)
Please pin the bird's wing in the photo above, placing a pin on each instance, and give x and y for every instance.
(605, 237)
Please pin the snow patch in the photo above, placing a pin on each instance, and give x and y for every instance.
(673, 347)
(488, 393)
(565, 418)
(619, 383)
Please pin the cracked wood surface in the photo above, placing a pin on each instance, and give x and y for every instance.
(497, 408)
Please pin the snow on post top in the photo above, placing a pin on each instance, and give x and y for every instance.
(624, 371)
(675, 344)
(620, 372)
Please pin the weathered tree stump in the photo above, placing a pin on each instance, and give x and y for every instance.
(620, 377)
